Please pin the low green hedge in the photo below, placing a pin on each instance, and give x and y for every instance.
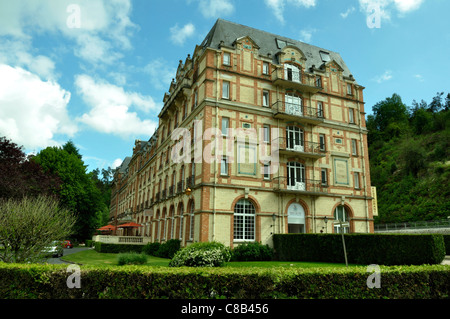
(35, 281)
(366, 249)
(117, 248)
(447, 244)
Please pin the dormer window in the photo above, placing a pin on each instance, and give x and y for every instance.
(325, 56)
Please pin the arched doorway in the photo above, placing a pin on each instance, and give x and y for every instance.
(296, 219)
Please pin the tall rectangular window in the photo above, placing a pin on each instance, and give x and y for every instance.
(356, 175)
(265, 98)
(322, 142)
(224, 166)
(266, 129)
(225, 90)
(349, 89)
(319, 109)
(267, 171)
(354, 148)
(323, 175)
(226, 58)
(265, 69)
(225, 125)
(351, 115)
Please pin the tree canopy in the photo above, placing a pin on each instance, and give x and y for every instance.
(409, 153)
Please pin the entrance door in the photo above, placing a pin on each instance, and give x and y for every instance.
(296, 219)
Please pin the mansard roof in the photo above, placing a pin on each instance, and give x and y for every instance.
(225, 33)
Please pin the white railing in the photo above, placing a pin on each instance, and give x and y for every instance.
(121, 239)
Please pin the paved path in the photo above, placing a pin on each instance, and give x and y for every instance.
(67, 251)
(446, 261)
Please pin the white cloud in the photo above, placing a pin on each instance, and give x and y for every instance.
(386, 76)
(215, 8)
(104, 26)
(386, 7)
(179, 35)
(278, 6)
(161, 73)
(349, 11)
(117, 162)
(408, 5)
(35, 118)
(419, 77)
(113, 110)
(306, 35)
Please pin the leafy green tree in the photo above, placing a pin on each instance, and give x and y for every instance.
(390, 117)
(20, 176)
(78, 191)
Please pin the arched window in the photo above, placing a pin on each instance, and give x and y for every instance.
(294, 138)
(244, 220)
(296, 218)
(292, 73)
(296, 176)
(340, 213)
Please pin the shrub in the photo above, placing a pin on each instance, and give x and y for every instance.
(205, 254)
(381, 249)
(151, 248)
(116, 248)
(252, 252)
(131, 259)
(168, 249)
(38, 281)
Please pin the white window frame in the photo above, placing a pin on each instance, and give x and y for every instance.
(341, 212)
(244, 227)
(266, 131)
(296, 172)
(351, 115)
(226, 58)
(265, 98)
(265, 68)
(356, 180)
(266, 171)
(354, 147)
(320, 109)
(225, 125)
(224, 166)
(226, 90)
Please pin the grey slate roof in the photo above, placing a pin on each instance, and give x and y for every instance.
(229, 31)
(123, 167)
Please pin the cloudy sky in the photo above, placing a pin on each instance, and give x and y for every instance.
(96, 71)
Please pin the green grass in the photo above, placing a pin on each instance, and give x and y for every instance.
(94, 258)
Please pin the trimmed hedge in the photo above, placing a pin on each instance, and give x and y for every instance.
(365, 249)
(252, 252)
(447, 244)
(37, 281)
(117, 248)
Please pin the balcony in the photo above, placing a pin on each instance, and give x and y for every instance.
(297, 112)
(190, 181)
(297, 80)
(305, 187)
(306, 149)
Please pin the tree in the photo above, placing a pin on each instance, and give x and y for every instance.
(28, 225)
(20, 175)
(78, 192)
(390, 118)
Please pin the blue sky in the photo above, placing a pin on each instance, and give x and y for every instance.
(96, 71)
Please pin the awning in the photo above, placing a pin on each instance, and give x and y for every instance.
(129, 225)
(107, 227)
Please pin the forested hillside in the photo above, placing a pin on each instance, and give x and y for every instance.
(409, 158)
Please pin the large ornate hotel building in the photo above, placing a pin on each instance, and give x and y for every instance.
(259, 134)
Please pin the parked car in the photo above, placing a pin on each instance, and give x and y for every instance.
(54, 249)
(66, 244)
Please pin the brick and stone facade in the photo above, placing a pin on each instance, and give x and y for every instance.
(280, 146)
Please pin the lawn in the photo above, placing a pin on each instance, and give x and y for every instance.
(94, 258)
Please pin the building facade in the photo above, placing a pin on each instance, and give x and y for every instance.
(259, 134)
